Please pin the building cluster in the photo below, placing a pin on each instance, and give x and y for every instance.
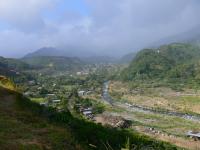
(86, 111)
(115, 121)
(84, 92)
(51, 100)
(194, 135)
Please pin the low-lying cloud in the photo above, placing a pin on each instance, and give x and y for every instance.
(113, 27)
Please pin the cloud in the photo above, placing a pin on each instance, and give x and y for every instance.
(25, 15)
(111, 27)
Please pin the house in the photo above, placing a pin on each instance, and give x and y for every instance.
(78, 73)
(81, 93)
(31, 82)
(88, 92)
(87, 113)
(27, 93)
(195, 135)
(56, 101)
(39, 88)
(87, 109)
(50, 94)
(44, 104)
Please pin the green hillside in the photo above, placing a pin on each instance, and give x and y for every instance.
(27, 125)
(14, 69)
(54, 62)
(11, 63)
(174, 62)
(127, 58)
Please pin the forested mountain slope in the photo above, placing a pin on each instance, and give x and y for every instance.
(54, 62)
(180, 62)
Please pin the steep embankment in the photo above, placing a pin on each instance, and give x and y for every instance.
(27, 125)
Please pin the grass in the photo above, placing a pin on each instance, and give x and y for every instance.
(173, 128)
(23, 130)
(162, 98)
(38, 100)
(169, 124)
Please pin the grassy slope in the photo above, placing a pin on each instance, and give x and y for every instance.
(21, 129)
(26, 125)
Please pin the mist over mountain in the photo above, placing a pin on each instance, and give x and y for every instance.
(64, 52)
(176, 62)
(45, 51)
(87, 57)
(127, 58)
(191, 36)
(53, 51)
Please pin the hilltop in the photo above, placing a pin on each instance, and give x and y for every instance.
(46, 51)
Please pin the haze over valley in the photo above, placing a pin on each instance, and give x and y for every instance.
(99, 75)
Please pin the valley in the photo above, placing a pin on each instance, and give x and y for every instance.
(109, 95)
(99, 75)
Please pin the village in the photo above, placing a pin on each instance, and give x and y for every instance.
(88, 90)
(54, 96)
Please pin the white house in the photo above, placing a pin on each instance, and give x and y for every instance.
(81, 93)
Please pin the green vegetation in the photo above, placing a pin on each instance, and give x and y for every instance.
(13, 64)
(53, 62)
(90, 133)
(27, 125)
(175, 64)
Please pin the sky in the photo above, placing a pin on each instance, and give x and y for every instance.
(100, 27)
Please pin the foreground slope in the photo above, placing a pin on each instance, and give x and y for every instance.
(20, 129)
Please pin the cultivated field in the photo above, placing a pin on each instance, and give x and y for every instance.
(187, 100)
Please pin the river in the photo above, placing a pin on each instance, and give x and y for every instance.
(115, 103)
